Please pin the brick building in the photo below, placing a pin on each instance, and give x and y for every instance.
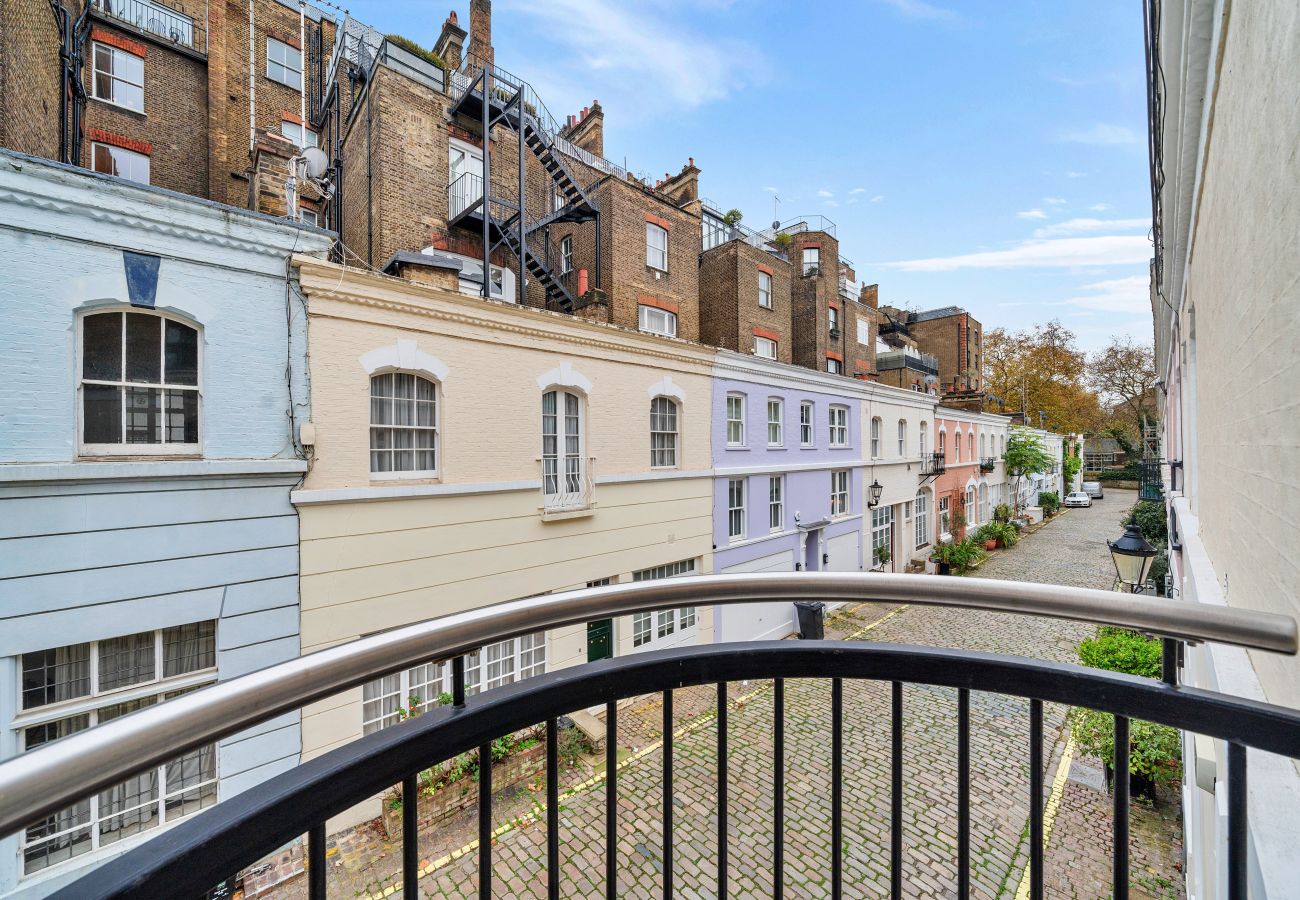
(745, 302)
(948, 340)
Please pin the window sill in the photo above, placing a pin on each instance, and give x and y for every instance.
(737, 447)
(405, 477)
(121, 106)
(777, 447)
(560, 515)
(137, 455)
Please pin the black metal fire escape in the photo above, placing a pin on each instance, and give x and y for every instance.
(496, 207)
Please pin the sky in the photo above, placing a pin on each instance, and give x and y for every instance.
(989, 154)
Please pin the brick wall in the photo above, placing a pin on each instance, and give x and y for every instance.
(729, 309)
(811, 296)
(957, 342)
(29, 78)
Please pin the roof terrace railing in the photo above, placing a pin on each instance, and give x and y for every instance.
(199, 852)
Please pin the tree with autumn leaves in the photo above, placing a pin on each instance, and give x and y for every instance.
(1038, 370)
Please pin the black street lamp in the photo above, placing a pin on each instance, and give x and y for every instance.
(875, 491)
(1133, 557)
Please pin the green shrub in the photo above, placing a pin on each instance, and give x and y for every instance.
(1001, 513)
(987, 532)
(961, 555)
(1128, 473)
(1151, 521)
(1050, 501)
(427, 55)
(1120, 650)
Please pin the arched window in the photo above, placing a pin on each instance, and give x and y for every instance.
(902, 437)
(983, 447)
(943, 450)
(875, 438)
(971, 511)
(663, 433)
(925, 443)
(984, 503)
(1004, 446)
(562, 441)
(139, 384)
(956, 446)
(403, 426)
(970, 446)
(922, 518)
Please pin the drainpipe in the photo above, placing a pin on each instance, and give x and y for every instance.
(252, 86)
(79, 35)
(61, 20)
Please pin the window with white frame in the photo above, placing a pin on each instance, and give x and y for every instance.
(925, 435)
(663, 433)
(75, 687)
(656, 246)
(945, 519)
(971, 510)
(984, 502)
(902, 437)
(505, 662)
(139, 384)
(118, 77)
(864, 332)
(648, 627)
(956, 447)
(839, 426)
(735, 420)
(301, 137)
(833, 318)
(1004, 446)
(562, 443)
(840, 492)
(834, 366)
(875, 437)
(970, 446)
(764, 290)
(283, 63)
(566, 254)
(658, 321)
(943, 451)
(983, 448)
(735, 508)
(806, 423)
(403, 426)
(764, 347)
(775, 425)
(882, 532)
(922, 519)
(120, 162)
(812, 260)
(776, 503)
(308, 216)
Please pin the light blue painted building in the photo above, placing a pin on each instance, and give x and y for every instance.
(788, 490)
(152, 370)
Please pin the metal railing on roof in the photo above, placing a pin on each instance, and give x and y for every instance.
(801, 224)
(154, 18)
(716, 232)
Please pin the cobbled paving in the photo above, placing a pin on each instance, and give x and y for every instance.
(1068, 550)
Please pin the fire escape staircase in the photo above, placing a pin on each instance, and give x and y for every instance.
(511, 103)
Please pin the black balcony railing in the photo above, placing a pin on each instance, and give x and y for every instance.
(156, 19)
(988, 463)
(1151, 485)
(203, 851)
(933, 463)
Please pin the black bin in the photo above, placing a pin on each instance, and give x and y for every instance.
(812, 619)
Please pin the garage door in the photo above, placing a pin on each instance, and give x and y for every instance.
(758, 621)
(843, 553)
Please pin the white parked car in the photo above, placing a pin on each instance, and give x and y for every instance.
(1093, 490)
(1078, 498)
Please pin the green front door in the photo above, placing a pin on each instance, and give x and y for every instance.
(600, 640)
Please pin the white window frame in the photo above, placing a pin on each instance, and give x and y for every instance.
(653, 320)
(776, 503)
(665, 426)
(650, 628)
(434, 429)
(564, 467)
(566, 254)
(864, 333)
(297, 133)
(925, 437)
(812, 260)
(764, 290)
(839, 493)
(832, 318)
(922, 519)
(283, 64)
(807, 428)
(764, 347)
(945, 515)
(173, 448)
(882, 532)
(834, 366)
(656, 257)
(875, 437)
(837, 419)
(735, 420)
(902, 437)
(775, 422)
(113, 77)
(736, 490)
(128, 165)
(157, 689)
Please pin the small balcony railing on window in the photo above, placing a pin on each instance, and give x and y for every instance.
(156, 19)
(988, 463)
(567, 483)
(933, 463)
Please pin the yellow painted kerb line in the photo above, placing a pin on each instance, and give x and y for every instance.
(583, 786)
(1049, 812)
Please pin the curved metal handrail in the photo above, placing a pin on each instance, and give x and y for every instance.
(199, 852)
(40, 783)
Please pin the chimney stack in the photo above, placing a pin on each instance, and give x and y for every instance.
(451, 42)
(587, 129)
(480, 31)
(870, 295)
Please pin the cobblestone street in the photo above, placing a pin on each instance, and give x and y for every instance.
(1068, 550)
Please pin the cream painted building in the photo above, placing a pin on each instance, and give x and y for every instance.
(467, 452)
(1225, 294)
(897, 431)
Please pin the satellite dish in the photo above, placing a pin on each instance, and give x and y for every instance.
(317, 161)
(776, 225)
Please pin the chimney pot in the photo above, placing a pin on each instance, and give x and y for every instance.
(690, 160)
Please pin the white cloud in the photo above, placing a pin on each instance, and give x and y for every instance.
(1031, 214)
(877, 198)
(1101, 135)
(919, 9)
(1116, 295)
(646, 62)
(1109, 250)
(1076, 174)
(825, 193)
(1084, 226)
(1099, 207)
(858, 191)
(1054, 201)
(772, 190)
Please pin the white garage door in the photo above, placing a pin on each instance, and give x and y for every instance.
(758, 621)
(843, 554)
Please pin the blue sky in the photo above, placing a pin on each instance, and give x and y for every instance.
(990, 154)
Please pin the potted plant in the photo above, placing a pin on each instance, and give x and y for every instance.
(988, 535)
(882, 557)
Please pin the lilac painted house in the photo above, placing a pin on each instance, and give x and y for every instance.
(787, 495)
